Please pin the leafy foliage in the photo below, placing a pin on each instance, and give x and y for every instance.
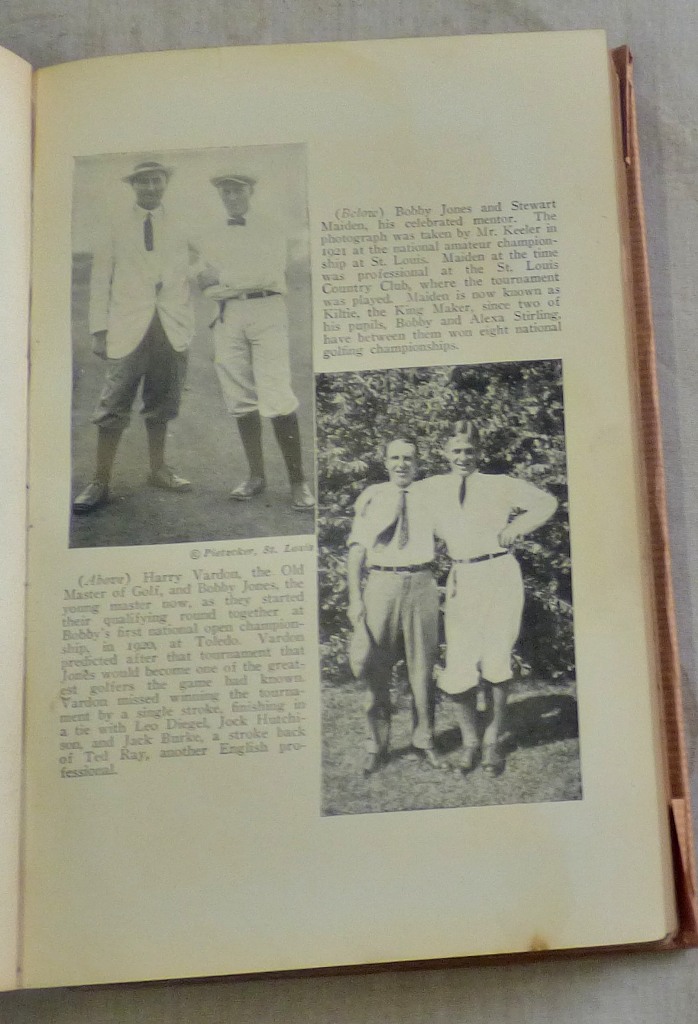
(518, 408)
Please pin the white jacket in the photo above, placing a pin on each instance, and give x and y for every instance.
(129, 284)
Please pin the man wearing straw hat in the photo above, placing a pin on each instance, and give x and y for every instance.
(142, 321)
(245, 272)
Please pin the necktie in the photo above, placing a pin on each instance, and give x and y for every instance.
(148, 233)
(397, 525)
(240, 221)
(462, 489)
(403, 530)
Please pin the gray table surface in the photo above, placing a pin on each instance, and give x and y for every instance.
(641, 988)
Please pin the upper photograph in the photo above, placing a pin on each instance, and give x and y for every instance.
(192, 406)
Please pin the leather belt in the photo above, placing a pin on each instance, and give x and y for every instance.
(264, 293)
(401, 568)
(480, 558)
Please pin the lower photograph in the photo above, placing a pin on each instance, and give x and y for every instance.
(445, 588)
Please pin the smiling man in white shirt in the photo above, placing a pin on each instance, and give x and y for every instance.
(480, 516)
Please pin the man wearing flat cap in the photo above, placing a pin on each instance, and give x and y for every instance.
(142, 322)
(245, 272)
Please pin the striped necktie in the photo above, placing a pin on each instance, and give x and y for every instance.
(397, 525)
(403, 535)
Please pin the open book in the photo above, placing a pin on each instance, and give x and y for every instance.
(348, 632)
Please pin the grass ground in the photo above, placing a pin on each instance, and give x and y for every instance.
(541, 744)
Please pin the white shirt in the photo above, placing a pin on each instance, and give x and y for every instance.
(473, 528)
(249, 256)
(376, 508)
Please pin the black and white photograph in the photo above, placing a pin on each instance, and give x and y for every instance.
(192, 382)
(445, 603)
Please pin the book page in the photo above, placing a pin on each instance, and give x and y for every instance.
(417, 720)
(15, 171)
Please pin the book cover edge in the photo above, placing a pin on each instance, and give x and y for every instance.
(678, 802)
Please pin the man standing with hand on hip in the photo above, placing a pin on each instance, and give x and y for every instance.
(480, 516)
(142, 321)
(392, 542)
(245, 272)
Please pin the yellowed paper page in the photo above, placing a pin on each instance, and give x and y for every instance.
(15, 171)
(199, 799)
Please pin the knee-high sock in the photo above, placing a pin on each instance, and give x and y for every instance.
(288, 436)
(497, 700)
(250, 428)
(107, 444)
(464, 710)
(157, 433)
